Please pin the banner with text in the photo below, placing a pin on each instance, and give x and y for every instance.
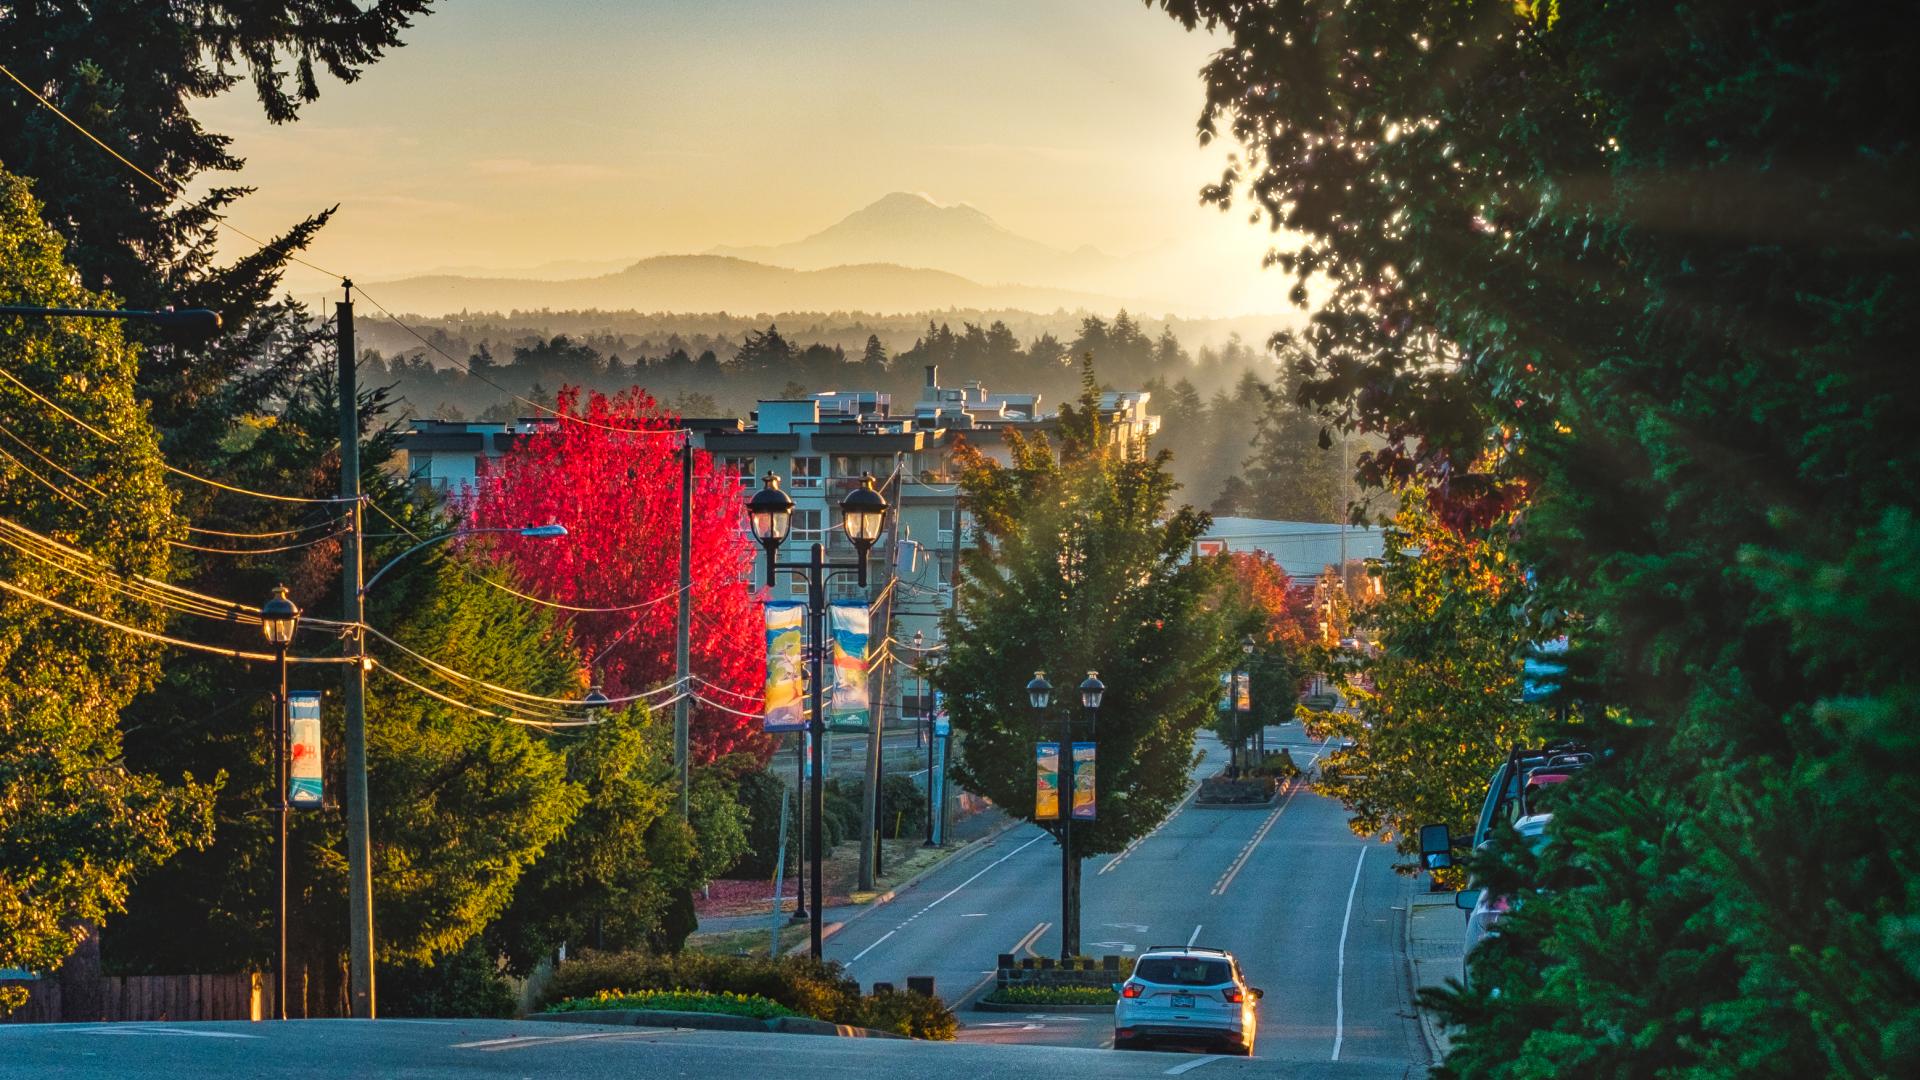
(306, 790)
(786, 682)
(1243, 692)
(1083, 781)
(1046, 791)
(847, 626)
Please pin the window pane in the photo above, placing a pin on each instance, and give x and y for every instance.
(1181, 971)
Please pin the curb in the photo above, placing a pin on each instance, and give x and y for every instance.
(1268, 805)
(699, 1021)
(1431, 1030)
(1003, 1007)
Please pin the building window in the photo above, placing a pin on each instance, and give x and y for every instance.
(742, 466)
(806, 526)
(946, 525)
(806, 473)
(943, 568)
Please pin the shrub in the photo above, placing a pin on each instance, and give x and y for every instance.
(761, 794)
(1053, 995)
(799, 983)
(808, 988)
(916, 1016)
(707, 1001)
(903, 807)
(462, 983)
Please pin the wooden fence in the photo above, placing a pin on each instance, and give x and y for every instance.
(237, 996)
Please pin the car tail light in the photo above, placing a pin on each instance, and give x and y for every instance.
(1234, 994)
(1130, 990)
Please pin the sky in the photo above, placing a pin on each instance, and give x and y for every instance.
(509, 134)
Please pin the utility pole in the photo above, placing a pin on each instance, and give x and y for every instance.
(876, 731)
(683, 626)
(360, 997)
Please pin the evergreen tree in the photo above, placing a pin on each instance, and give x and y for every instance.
(1124, 598)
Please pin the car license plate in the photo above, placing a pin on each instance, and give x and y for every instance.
(1183, 1001)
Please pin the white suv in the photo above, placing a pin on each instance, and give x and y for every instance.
(1185, 994)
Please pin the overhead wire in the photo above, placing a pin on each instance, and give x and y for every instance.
(174, 469)
(452, 673)
(151, 635)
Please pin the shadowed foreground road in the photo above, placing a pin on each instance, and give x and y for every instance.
(433, 1049)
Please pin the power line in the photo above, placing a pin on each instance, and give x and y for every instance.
(177, 471)
(151, 635)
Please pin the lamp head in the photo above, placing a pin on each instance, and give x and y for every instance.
(278, 617)
(544, 532)
(1040, 691)
(865, 512)
(770, 513)
(1246, 644)
(1092, 690)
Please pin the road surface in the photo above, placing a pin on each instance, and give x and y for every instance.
(1315, 914)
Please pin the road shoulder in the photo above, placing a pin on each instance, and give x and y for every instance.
(1435, 932)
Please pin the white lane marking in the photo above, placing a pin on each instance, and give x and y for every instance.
(1189, 1066)
(1195, 936)
(1226, 879)
(515, 1042)
(974, 915)
(870, 948)
(1340, 979)
(976, 877)
(170, 1031)
(1026, 943)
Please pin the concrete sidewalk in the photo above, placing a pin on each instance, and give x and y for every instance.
(1436, 930)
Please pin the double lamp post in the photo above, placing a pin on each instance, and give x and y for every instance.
(1040, 696)
(770, 515)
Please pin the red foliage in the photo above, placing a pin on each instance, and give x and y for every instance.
(1260, 583)
(614, 482)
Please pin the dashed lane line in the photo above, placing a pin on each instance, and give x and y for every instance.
(520, 1042)
(1246, 852)
(1189, 1066)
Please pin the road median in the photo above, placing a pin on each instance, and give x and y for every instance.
(698, 1021)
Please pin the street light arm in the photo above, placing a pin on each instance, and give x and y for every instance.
(535, 531)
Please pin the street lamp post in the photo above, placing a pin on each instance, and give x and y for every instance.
(1256, 738)
(536, 532)
(770, 515)
(278, 618)
(1040, 697)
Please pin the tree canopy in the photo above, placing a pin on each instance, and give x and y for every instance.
(1640, 269)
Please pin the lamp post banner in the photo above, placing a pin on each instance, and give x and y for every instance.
(1083, 781)
(786, 684)
(1046, 791)
(1243, 692)
(306, 789)
(847, 625)
(1226, 692)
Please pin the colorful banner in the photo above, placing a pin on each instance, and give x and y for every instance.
(941, 725)
(1226, 692)
(1046, 791)
(1083, 781)
(305, 788)
(786, 667)
(847, 626)
(1243, 692)
(937, 797)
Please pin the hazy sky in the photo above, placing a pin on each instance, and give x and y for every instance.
(510, 133)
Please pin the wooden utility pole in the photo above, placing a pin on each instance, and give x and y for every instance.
(360, 996)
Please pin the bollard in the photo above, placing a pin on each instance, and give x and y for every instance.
(883, 988)
(920, 984)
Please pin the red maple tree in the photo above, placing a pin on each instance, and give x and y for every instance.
(614, 482)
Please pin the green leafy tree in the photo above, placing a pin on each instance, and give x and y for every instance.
(1086, 567)
(1436, 705)
(77, 825)
(1654, 256)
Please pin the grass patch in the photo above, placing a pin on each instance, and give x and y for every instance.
(705, 1001)
(1053, 995)
(746, 942)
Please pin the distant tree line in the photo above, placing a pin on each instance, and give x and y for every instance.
(1240, 445)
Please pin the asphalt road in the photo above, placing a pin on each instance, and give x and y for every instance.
(1315, 914)
(487, 1049)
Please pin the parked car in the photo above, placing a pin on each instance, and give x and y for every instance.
(1485, 907)
(1185, 995)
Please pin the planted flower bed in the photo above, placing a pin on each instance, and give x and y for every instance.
(1236, 791)
(1052, 995)
(703, 1001)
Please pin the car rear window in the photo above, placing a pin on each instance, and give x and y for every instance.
(1181, 971)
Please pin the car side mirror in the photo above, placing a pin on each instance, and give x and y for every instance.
(1467, 899)
(1116, 987)
(1258, 993)
(1436, 847)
